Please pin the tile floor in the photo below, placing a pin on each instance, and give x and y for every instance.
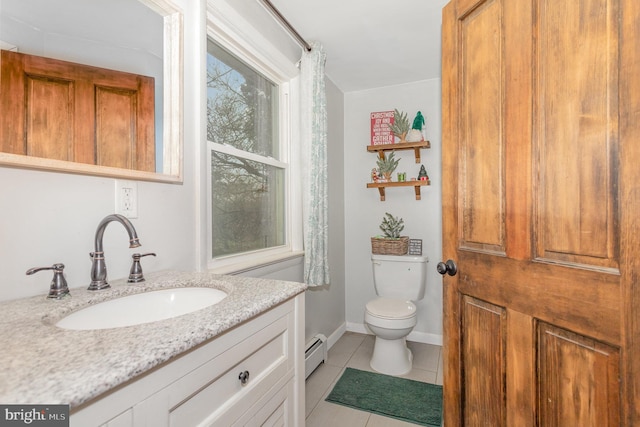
(354, 350)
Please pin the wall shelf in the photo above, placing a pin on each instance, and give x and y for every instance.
(381, 149)
(382, 185)
(415, 146)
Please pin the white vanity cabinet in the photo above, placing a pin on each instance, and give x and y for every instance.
(250, 375)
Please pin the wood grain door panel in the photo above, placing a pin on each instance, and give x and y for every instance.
(49, 118)
(115, 127)
(481, 143)
(541, 189)
(546, 292)
(578, 379)
(484, 362)
(576, 132)
(66, 111)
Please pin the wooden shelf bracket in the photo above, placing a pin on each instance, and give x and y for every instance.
(415, 146)
(382, 185)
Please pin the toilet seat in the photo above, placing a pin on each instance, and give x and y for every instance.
(390, 313)
(391, 308)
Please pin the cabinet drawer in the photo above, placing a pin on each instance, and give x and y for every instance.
(264, 357)
(274, 410)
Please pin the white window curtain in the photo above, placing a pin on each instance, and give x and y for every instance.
(314, 166)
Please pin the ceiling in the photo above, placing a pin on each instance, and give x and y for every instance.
(368, 43)
(371, 43)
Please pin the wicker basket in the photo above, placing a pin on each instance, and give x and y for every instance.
(383, 246)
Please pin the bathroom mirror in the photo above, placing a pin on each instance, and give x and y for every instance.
(135, 36)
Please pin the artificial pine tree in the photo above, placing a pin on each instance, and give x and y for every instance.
(400, 125)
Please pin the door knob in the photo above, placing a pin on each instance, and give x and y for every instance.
(448, 267)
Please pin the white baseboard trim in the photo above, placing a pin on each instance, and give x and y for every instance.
(425, 338)
(421, 337)
(335, 335)
(359, 328)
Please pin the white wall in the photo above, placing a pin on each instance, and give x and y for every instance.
(364, 210)
(48, 217)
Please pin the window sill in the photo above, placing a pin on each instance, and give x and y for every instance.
(255, 263)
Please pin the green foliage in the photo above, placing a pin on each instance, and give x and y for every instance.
(387, 164)
(400, 124)
(391, 226)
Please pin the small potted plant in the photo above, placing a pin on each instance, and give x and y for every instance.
(386, 165)
(391, 243)
(400, 125)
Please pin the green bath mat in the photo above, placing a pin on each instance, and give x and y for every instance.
(400, 398)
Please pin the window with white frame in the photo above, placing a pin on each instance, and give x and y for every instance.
(248, 158)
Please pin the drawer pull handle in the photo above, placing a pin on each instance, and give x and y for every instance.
(244, 377)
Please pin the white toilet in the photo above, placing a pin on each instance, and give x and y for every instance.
(398, 280)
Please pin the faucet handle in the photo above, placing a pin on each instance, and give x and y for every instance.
(58, 288)
(135, 275)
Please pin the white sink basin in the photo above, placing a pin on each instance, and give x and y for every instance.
(142, 308)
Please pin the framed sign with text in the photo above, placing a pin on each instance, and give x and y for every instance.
(380, 132)
(415, 246)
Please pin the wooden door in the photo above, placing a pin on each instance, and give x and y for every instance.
(541, 193)
(65, 111)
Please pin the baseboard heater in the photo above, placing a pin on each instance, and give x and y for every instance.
(315, 354)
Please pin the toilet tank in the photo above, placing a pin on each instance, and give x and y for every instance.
(402, 276)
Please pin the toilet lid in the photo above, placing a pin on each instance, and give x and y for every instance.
(390, 308)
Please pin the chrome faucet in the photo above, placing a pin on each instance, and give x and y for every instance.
(98, 267)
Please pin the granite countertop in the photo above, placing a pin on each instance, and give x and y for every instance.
(41, 363)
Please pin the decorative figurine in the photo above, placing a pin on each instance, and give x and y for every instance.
(415, 134)
(422, 176)
(374, 175)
